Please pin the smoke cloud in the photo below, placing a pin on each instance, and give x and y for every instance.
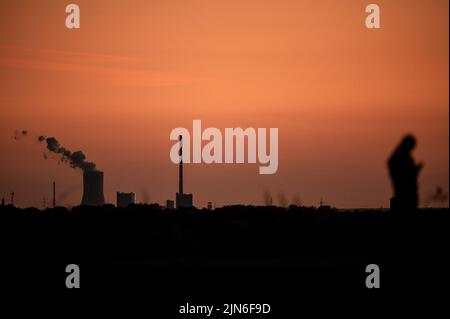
(282, 201)
(75, 159)
(18, 134)
(439, 196)
(267, 198)
(296, 200)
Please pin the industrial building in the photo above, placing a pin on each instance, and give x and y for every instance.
(170, 204)
(93, 189)
(182, 200)
(125, 199)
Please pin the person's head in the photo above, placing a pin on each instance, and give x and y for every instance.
(408, 143)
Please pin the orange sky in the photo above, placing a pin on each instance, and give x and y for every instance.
(341, 95)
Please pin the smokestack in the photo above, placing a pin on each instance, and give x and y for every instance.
(12, 198)
(182, 200)
(54, 194)
(180, 185)
(93, 188)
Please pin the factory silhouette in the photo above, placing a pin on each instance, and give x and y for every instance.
(200, 252)
(93, 179)
(93, 190)
(402, 169)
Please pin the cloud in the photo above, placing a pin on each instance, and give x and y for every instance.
(115, 70)
(55, 54)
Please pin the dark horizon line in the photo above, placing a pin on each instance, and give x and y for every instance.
(323, 207)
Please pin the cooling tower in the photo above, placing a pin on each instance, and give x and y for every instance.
(93, 188)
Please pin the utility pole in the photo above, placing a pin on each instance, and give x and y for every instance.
(180, 171)
(54, 194)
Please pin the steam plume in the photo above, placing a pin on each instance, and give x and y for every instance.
(267, 198)
(282, 199)
(75, 159)
(18, 134)
(439, 195)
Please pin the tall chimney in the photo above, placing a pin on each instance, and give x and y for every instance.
(54, 194)
(180, 185)
(182, 200)
(93, 188)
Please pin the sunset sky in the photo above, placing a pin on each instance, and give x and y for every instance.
(341, 95)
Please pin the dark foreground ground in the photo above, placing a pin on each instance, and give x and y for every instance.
(292, 259)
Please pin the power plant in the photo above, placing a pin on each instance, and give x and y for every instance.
(93, 179)
(170, 204)
(182, 200)
(93, 188)
(125, 199)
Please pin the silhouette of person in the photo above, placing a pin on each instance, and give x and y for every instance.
(404, 172)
